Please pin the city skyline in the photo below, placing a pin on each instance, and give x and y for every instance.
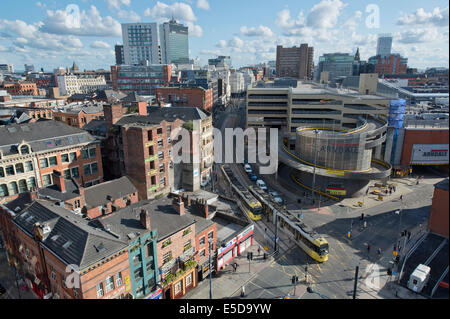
(49, 35)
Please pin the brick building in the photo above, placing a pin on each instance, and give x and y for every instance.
(45, 239)
(438, 220)
(389, 64)
(21, 88)
(296, 62)
(79, 115)
(29, 153)
(140, 146)
(186, 96)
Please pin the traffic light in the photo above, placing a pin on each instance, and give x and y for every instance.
(389, 272)
(294, 280)
(250, 256)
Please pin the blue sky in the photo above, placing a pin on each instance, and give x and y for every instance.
(44, 33)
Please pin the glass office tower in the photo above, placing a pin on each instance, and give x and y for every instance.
(174, 43)
(141, 43)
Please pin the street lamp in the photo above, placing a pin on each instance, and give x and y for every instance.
(210, 269)
(311, 291)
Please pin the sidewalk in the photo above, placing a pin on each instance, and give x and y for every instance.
(227, 283)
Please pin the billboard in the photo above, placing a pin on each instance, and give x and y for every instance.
(429, 154)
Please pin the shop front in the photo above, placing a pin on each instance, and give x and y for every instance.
(245, 239)
(226, 253)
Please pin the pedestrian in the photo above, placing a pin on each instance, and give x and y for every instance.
(409, 235)
(401, 198)
(362, 216)
(259, 251)
(379, 251)
(234, 267)
(242, 292)
(365, 224)
(390, 192)
(368, 249)
(395, 189)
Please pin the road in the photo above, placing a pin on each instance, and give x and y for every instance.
(335, 278)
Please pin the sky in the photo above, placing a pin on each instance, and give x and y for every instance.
(50, 33)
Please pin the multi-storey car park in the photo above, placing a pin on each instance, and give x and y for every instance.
(332, 139)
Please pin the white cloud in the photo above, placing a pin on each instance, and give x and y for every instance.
(129, 15)
(100, 45)
(419, 35)
(236, 42)
(260, 31)
(203, 4)
(41, 5)
(438, 17)
(162, 12)
(115, 4)
(89, 24)
(325, 14)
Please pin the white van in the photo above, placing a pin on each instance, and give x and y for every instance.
(419, 278)
(248, 168)
(260, 183)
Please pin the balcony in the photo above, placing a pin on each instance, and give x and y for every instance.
(180, 272)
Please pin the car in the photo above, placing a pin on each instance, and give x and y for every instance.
(276, 198)
(260, 183)
(2, 290)
(248, 169)
(253, 177)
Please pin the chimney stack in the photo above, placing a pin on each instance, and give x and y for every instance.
(38, 231)
(142, 108)
(58, 180)
(178, 204)
(144, 217)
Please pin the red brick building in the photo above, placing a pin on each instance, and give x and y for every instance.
(41, 243)
(186, 96)
(21, 88)
(390, 64)
(438, 220)
(79, 116)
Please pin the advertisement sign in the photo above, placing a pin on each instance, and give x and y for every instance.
(127, 283)
(227, 245)
(336, 191)
(245, 232)
(156, 295)
(432, 154)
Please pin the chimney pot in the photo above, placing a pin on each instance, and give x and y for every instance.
(145, 219)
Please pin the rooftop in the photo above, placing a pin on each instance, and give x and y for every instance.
(41, 135)
(98, 195)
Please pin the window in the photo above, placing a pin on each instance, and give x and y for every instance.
(84, 154)
(2, 172)
(160, 143)
(47, 180)
(31, 183)
(94, 168)
(3, 190)
(138, 273)
(53, 161)
(189, 280)
(28, 166)
(150, 135)
(109, 284)
(66, 173)
(9, 170)
(161, 168)
(166, 243)
(100, 290)
(119, 279)
(23, 186)
(159, 131)
(53, 274)
(136, 260)
(167, 257)
(169, 129)
(162, 182)
(178, 287)
(75, 173)
(92, 152)
(90, 169)
(186, 232)
(43, 162)
(211, 235)
(160, 155)
(73, 156)
(149, 267)
(65, 158)
(12, 188)
(24, 150)
(187, 245)
(19, 168)
(87, 169)
(202, 241)
(202, 253)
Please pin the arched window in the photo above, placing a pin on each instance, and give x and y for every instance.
(31, 182)
(3, 190)
(23, 186)
(2, 172)
(19, 168)
(10, 170)
(24, 149)
(12, 188)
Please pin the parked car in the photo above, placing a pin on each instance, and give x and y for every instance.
(253, 177)
(248, 169)
(276, 198)
(260, 183)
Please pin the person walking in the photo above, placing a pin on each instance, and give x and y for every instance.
(259, 251)
(379, 251)
(368, 248)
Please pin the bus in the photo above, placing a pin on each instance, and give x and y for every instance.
(248, 203)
